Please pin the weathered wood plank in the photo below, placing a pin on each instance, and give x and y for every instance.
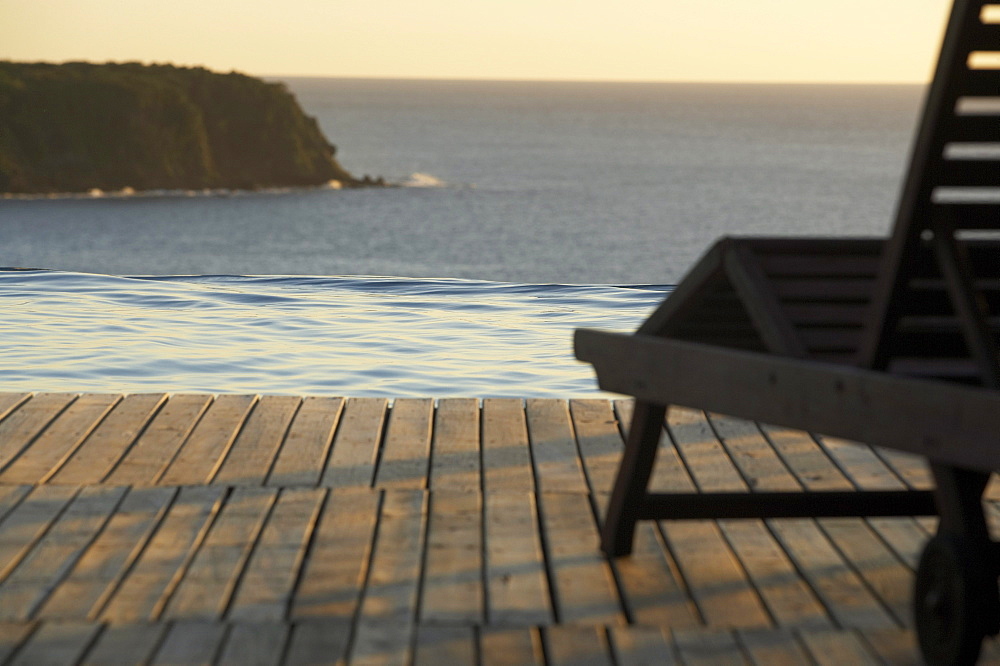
(834, 647)
(101, 566)
(439, 645)
(108, 443)
(510, 647)
(54, 555)
(810, 464)
(772, 647)
(708, 647)
(211, 578)
(788, 598)
(54, 446)
(518, 592)
(28, 521)
(252, 454)
(19, 428)
(838, 586)
(339, 557)
(387, 618)
(302, 458)
(453, 570)
(260, 644)
(894, 646)
(355, 447)
(190, 643)
(268, 581)
(146, 460)
(12, 634)
(652, 589)
(599, 440)
(10, 497)
(717, 582)
(406, 451)
(642, 646)
(889, 578)
(125, 645)
(577, 646)
(154, 576)
(506, 453)
(455, 462)
(315, 642)
(702, 452)
(553, 447)
(758, 463)
(56, 643)
(206, 448)
(861, 464)
(11, 401)
(583, 584)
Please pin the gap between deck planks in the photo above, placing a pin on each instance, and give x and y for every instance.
(455, 531)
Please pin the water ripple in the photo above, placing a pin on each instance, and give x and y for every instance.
(361, 336)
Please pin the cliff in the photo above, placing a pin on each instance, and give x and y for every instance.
(77, 126)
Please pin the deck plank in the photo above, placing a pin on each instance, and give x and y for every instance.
(269, 579)
(104, 563)
(259, 644)
(191, 643)
(386, 621)
(600, 441)
(455, 457)
(318, 642)
(834, 581)
(211, 578)
(451, 645)
(406, 451)
(44, 567)
(303, 455)
(518, 592)
(553, 447)
(511, 647)
(250, 458)
(355, 447)
(642, 646)
(20, 427)
(125, 645)
(773, 647)
(506, 453)
(146, 589)
(453, 571)
(709, 647)
(568, 645)
(26, 524)
(147, 459)
(56, 643)
(110, 440)
(829, 647)
(582, 581)
(335, 572)
(59, 440)
(205, 449)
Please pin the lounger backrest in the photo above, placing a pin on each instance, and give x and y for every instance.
(933, 282)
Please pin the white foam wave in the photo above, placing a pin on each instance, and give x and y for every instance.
(422, 180)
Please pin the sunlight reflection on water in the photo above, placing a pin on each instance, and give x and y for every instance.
(358, 336)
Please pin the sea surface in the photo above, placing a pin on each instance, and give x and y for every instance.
(524, 210)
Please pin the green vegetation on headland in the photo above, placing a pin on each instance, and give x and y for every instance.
(78, 126)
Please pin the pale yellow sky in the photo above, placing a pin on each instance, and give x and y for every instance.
(651, 40)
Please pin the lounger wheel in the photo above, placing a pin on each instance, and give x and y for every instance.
(953, 606)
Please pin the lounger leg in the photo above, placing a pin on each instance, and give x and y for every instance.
(956, 602)
(629, 494)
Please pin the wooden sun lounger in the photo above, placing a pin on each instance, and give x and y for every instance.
(893, 342)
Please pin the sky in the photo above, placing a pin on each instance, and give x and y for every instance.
(873, 41)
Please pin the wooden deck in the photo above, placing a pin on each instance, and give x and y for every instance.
(186, 529)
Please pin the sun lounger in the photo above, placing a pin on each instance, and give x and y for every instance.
(892, 342)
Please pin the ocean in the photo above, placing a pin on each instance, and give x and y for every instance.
(525, 210)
